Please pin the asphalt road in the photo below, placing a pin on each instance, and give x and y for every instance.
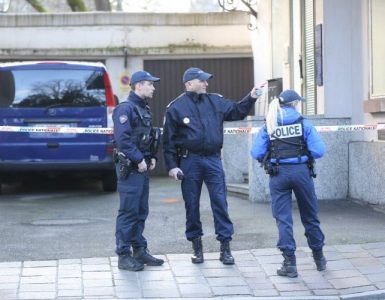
(70, 218)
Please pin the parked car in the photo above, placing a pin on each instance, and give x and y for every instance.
(56, 94)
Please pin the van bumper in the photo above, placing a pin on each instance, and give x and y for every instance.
(21, 166)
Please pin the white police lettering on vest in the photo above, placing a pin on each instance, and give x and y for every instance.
(288, 131)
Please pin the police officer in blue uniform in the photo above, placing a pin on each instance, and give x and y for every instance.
(192, 141)
(136, 146)
(287, 146)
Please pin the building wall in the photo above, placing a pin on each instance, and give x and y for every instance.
(105, 36)
(353, 165)
(338, 58)
(262, 50)
(347, 26)
(366, 172)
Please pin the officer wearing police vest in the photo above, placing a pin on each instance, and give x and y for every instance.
(136, 147)
(287, 146)
(192, 141)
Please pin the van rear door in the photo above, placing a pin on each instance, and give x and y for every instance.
(54, 95)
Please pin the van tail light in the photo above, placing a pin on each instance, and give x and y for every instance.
(110, 99)
(110, 149)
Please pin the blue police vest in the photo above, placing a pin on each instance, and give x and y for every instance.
(142, 135)
(287, 141)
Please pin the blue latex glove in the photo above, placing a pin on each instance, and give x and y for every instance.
(258, 92)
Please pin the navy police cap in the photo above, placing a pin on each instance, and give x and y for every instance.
(195, 73)
(288, 96)
(141, 76)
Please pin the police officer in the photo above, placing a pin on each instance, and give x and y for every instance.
(287, 146)
(135, 142)
(192, 139)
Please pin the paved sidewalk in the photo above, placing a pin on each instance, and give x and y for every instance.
(353, 272)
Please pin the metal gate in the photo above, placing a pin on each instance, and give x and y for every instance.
(233, 78)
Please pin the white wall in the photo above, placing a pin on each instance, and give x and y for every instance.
(71, 37)
(262, 50)
(338, 57)
(103, 36)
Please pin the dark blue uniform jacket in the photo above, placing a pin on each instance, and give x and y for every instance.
(195, 123)
(126, 119)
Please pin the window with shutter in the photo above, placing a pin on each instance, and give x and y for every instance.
(377, 50)
(309, 58)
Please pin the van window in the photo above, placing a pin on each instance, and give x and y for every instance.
(52, 88)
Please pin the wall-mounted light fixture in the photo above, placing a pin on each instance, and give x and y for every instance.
(233, 5)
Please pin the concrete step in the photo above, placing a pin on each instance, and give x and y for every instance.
(240, 190)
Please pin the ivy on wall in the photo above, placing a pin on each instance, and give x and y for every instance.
(37, 5)
(77, 5)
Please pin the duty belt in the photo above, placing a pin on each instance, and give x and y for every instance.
(203, 153)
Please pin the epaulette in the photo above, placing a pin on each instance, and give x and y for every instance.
(216, 94)
(126, 105)
(176, 99)
(123, 102)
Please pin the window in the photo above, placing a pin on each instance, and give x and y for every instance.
(51, 88)
(309, 58)
(377, 48)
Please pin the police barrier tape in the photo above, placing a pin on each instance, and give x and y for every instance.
(351, 128)
(228, 130)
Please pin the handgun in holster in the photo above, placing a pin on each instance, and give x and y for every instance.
(125, 165)
(270, 169)
(310, 165)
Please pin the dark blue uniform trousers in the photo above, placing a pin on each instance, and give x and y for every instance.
(208, 169)
(133, 212)
(295, 178)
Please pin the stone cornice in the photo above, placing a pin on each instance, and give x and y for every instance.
(119, 51)
(120, 18)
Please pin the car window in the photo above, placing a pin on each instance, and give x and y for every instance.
(51, 88)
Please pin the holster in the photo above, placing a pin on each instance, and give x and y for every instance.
(125, 165)
(310, 165)
(270, 168)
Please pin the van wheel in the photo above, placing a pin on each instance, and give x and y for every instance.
(109, 181)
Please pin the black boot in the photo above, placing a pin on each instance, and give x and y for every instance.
(225, 257)
(143, 256)
(197, 258)
(289, 267)
(320, 260)
(127, 262)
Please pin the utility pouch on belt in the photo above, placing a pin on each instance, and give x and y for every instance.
(125, 165)
(155, 140)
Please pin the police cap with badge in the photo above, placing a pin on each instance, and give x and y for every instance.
(195, 73)
(288, 96)
(142, 76)
(135, 78)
